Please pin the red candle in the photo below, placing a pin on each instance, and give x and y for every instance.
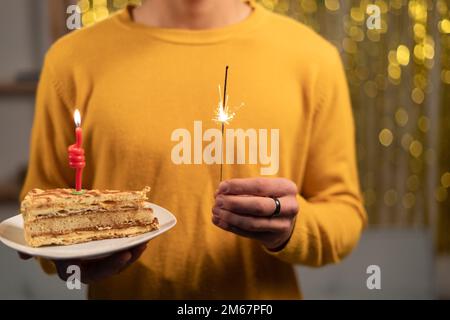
(76, 152)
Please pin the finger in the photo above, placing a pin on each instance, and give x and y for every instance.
(24, 256)
(257, 206)
(97, 270)
(250, 205)
(136, 252)
(243, 233)
(266, 187)
(250, 223)
(63, 265)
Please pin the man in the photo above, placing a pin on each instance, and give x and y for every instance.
(151, 70)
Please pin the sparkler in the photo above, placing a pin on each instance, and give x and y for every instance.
(224, 115)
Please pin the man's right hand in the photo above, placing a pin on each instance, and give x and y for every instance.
(98, 269)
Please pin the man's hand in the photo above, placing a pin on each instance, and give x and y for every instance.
(246, 206)
(98, 269)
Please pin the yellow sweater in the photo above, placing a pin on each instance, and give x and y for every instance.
(136, 85)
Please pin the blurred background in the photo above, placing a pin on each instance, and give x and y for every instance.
(399, 77)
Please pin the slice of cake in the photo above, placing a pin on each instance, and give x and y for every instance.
(62, 217)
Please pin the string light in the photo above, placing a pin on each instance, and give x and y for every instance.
(391, 74)
(93, 11)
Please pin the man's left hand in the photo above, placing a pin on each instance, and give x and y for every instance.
(246, 207)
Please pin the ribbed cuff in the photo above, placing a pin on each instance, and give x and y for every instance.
(296, 247)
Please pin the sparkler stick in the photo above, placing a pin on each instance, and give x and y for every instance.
(224, 103)
(224, 116)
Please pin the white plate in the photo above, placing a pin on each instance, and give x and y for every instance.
(11, 234)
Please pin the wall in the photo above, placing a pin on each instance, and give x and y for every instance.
(24, 39)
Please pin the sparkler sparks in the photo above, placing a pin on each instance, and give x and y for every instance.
(223, 113)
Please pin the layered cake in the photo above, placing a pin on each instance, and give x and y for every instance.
(62, 217)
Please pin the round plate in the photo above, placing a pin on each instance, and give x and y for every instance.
(11, 234)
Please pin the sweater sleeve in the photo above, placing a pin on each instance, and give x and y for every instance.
(331, 214)
(51, 134)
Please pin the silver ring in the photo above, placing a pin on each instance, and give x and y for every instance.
(277, 211)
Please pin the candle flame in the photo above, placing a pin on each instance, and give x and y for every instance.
(77, 117)
(223, 113)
